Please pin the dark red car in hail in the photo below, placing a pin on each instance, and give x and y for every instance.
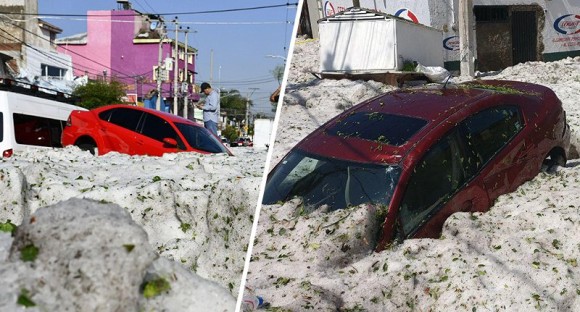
(426, 153)
(135, 130)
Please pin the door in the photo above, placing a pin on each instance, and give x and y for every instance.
(119, 129)
(524, 36)
(153, 131)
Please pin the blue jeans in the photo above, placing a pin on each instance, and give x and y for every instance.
(211, 126)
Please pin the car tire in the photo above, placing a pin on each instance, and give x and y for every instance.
(553, 161)
(90, 147)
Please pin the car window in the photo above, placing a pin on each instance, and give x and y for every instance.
(434, 179)
(123, 117)
(158, 129)
(38, 131)
(487, 132)
(325, 181)
(378, 127)
(200, 138)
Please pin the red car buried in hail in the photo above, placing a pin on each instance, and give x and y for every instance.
(426, 153)
(135, 130)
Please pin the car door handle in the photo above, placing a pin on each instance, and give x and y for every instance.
(466, 206)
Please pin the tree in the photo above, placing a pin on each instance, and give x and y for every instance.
(234, 104)
(230, 133)
(99, 93)
(278, 73)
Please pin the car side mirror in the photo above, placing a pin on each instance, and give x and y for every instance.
(169, 142)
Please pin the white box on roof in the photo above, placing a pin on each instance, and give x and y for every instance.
(361, 40)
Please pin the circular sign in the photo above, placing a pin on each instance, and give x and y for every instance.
(451, 43)
(328, 9)
(568, 24)
(408, 15)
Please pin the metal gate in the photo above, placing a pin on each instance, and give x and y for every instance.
(524, 36)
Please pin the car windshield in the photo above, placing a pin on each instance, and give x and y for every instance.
(200, 138)
(325, 181)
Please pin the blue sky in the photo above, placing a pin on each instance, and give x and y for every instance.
(242, 41)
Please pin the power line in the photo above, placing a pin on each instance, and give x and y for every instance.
(172, 13)
(80, 55)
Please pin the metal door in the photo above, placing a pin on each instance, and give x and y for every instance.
(524, 36)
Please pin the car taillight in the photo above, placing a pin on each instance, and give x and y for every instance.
(7, 153)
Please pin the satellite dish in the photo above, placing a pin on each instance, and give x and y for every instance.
(153, 25)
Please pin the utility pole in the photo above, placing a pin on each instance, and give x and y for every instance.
(211, 67)
(466, 38)
(160, 65)
(186, 77)
(247, 123)
(176, 69)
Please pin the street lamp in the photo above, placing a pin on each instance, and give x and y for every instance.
(276, 56)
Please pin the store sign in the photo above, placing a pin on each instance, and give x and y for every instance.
(332, 8)
(568, 24)
(451, 43)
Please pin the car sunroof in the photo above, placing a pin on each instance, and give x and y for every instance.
(377, 127)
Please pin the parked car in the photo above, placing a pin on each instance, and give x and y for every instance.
(135, 130)
(245, 142)
(426, 153)
(30, 117)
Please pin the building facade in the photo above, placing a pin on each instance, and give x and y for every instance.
(126, 46)
(27, 46)
(507, 32)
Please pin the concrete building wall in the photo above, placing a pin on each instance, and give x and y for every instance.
(26, 42)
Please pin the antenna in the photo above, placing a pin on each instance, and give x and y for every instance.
(446, 81)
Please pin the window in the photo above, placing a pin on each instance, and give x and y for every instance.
(434, 179)
(52, 71)
(336, 183)
(38, 131)
(122, 117)
(158, 129)
(1, 127)
(491, 13)
(487, 132)
(200, 138)
(453, 161)
(383, 128)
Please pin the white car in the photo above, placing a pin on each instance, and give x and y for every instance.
(30, 117)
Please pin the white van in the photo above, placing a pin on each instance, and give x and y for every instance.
(29, 120)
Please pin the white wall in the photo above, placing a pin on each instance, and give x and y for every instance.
(262, 132)
(37, 56)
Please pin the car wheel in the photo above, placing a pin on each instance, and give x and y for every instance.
(554, 160)
(88, 146)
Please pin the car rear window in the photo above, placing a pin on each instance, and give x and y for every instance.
(123, 117)
(378, 127)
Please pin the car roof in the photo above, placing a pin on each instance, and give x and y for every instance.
(433, 104)
(167, 116)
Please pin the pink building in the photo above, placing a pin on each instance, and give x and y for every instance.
(120, 45)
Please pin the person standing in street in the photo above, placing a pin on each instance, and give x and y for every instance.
(211, 108)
